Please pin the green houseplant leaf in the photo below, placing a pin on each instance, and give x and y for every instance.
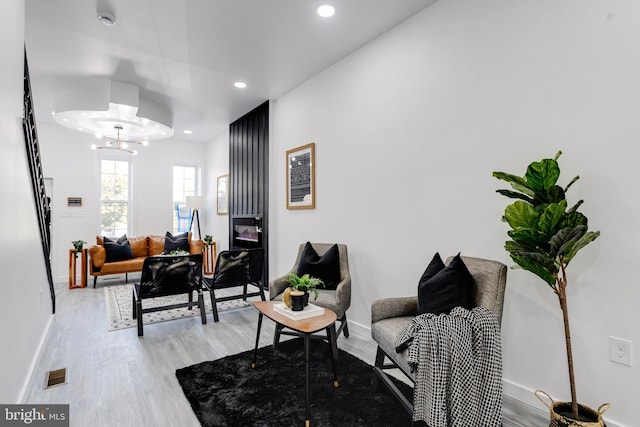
(564, 239)
(542, 175)
(584, 241)
(517, 183)
(515, 195)
(552, 219)
(552, 195)
(521, 215)
(531, 262)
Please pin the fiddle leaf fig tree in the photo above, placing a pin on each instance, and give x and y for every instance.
(546, 234)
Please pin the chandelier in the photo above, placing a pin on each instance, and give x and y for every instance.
(117, 143)
(114, 112)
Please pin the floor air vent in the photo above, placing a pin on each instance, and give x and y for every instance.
(56, 377)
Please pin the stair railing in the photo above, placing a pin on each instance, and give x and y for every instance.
(42, 202)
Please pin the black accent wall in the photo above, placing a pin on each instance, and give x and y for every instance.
(249, 173)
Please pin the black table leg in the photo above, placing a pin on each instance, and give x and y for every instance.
(276, 335)
(255, 349)
(307, 338)
(333, 347)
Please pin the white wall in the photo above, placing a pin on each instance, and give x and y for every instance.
(25, 308)
(75, 170)
(408, 131)
(217, 165)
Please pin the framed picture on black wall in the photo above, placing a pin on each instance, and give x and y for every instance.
(301, 179)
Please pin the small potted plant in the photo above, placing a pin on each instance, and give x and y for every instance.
(77, 246)
(305, 283)
(208, 240)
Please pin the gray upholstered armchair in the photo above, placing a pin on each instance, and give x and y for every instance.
(389, 316)
(337, 300)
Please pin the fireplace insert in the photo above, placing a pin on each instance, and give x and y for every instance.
(247, 232)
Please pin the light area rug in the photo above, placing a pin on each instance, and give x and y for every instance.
(120, 306)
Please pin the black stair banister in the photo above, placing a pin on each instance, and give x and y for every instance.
(43, 208)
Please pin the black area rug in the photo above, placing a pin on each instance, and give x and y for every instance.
(228, 392)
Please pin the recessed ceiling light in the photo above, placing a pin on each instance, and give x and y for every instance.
(240, 85)
(107, 18)
(188, 132)
(326, 11)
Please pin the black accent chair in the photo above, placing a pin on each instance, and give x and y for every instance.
(167, 275)
(233, 269)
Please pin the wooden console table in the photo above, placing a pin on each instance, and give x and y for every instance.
(73, 261)
(210, 254)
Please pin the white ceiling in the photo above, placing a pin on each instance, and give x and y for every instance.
(186, 54)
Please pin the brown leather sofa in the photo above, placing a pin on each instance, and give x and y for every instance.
(141, 247)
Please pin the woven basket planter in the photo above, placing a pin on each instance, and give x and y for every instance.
(560, 413)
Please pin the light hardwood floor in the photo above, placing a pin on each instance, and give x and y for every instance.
(118, 379)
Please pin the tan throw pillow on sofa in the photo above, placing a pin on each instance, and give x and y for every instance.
(138, 246)
(156, 245)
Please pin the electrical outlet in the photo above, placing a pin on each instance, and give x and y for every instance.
(620, 350)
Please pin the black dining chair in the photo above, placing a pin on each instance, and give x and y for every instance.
(166, 275)
(236, 268)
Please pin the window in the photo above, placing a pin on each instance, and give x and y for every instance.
(114, 197)
(184, 184)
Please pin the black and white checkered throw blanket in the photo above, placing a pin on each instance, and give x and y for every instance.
(457, 359)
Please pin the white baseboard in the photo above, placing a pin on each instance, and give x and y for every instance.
(360, 330)
(522, 394)
(35, 359)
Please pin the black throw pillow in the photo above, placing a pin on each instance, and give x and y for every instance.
(433, 268)
(325, 267)
(179, 241)
(117, 250)
(450, 287)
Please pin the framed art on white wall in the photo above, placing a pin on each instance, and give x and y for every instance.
(301, 180)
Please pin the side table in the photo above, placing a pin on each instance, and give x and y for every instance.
(306, 327)
(73, 261)
(210, 254)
